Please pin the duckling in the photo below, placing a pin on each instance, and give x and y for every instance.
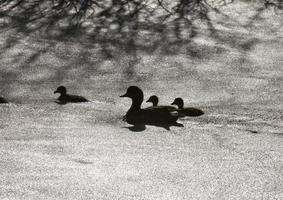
(154, 100)
(65, 98)
(138, 116)
(192, 112)
(2, 100)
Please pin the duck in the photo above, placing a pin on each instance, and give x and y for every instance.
(3, 100)
(67, 98)
(154, 100)
(138, 116)
(192, 112)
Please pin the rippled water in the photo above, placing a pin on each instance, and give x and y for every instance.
(86, 151)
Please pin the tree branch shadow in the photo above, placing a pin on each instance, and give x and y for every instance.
(114, 28)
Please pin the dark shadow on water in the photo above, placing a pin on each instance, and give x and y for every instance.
(60, 102)
(136, 128)
(258, 132)
(65, 102)
(252, 131)
(112, 25)
(83, 162)
(142, 127)
(278, 133)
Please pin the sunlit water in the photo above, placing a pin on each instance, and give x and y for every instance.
(86, 151)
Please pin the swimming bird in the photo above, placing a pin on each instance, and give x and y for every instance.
(154, 100)
(138, 116)
(65, 98)
(2, 100)
(192, 112)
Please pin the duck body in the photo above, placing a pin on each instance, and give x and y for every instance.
(135, 115)
(162, 107)
(150, 116)
(188, 111)
(3, 100)
(72, 98)
(65, 98)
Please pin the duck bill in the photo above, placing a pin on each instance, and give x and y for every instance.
(56, 91)
(147, 101)
(124, 95)
(173, 103)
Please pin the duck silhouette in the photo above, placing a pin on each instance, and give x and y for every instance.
(139, 117)
(154, 100)
(3, 100)
(67, 98)
(192, 112)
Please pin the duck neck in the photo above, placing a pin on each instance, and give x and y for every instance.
(136, 104)
(62, 95)
(181, 106)
(155, 103)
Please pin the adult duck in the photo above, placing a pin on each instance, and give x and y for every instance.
(138, 116)
(3, 100)
(68, 98)
(154, 100)
(192, 112)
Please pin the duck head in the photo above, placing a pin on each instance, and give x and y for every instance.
(136, 94)
(178, 102)
(61, 89)
(153, 99)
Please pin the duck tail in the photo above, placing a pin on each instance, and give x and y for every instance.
(197, 113)
(178, 124)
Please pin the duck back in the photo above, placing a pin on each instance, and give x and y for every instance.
(72, 98)
(190, 112)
